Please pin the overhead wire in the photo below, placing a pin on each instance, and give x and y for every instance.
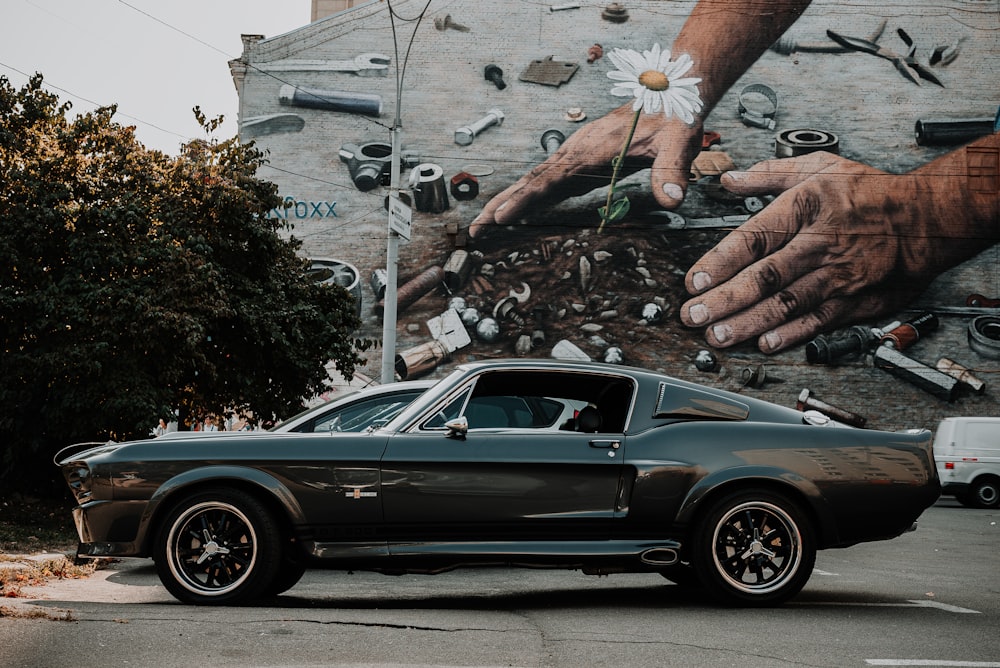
(400, 72)
(52, 86)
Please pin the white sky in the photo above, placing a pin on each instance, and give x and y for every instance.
(155, 59)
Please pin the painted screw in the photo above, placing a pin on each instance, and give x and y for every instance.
(495, 74)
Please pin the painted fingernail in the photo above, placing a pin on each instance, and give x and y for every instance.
(701, 280)
(673, 191)
(722, 333)
(771, 341)
(699, 314)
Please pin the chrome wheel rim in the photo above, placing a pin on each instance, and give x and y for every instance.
(987, 494)
(757, 547)
(212, 548)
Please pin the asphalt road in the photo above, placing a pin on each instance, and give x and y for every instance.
(928, 598)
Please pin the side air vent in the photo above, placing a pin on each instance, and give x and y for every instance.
(676, 401)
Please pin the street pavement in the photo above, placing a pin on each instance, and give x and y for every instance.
(928, 598)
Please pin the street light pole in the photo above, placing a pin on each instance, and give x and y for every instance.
(391, 262)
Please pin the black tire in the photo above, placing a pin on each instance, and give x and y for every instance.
(754, 548)
(218, 547)
(984, 493)
(682, 575)
(289, 574)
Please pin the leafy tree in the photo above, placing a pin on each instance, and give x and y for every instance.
(134, 284)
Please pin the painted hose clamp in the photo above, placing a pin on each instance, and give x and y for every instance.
(426, 172)
(756, 117)
(792, 143)
(429, 191)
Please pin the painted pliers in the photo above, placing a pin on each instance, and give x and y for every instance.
(907, 65)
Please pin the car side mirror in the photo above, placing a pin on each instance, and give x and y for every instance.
(457, 428)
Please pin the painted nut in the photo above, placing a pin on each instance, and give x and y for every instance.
(464, 186)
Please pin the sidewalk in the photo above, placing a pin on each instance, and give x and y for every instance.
(25, 578)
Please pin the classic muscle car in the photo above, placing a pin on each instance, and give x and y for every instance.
(536, 463)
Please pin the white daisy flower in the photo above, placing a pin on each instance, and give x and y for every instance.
(656, 82)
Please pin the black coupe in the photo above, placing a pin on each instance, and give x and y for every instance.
(536, 463)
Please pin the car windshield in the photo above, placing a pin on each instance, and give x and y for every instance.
(359, 416)
(315, 410)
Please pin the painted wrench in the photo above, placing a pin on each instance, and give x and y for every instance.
(675, 221)
(981, 301)
(365, 65)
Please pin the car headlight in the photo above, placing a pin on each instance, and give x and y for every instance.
(79, 480)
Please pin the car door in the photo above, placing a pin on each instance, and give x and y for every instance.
(335, 481)
(498, 483)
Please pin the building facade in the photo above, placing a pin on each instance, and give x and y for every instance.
(487, 93)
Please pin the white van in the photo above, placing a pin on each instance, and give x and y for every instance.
(967, 452)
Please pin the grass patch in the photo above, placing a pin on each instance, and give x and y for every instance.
(32, 525)
(43, 527)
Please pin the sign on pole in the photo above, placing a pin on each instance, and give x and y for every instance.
(400, 217)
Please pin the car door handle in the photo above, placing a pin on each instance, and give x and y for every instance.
(614, 445)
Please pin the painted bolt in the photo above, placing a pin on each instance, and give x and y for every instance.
(466, 134)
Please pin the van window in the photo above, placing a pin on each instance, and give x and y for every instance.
(982, 436)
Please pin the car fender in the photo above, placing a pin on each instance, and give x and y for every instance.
(703, 492)
(243, 475)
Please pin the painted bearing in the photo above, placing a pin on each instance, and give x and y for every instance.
(792, 143)
(984, 335)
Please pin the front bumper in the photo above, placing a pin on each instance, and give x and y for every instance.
(109, 528)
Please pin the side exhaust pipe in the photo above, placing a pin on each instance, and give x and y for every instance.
(660, 556)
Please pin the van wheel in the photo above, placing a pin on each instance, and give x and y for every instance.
(985, 493)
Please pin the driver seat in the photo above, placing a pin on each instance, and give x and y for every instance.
(588, 420)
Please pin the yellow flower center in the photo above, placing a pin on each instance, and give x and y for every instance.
(654, 80)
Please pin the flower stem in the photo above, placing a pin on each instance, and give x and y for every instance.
(616, 167)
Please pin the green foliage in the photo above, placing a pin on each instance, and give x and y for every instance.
(133, 283)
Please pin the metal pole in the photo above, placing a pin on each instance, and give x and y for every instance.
(391, 262)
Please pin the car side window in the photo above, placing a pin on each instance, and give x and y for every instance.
(533, 399)
(520, 412)
(498, 412)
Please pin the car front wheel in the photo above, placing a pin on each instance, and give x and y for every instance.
(220, 547)
(754, 548)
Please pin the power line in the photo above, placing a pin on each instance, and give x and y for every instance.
(89, 101)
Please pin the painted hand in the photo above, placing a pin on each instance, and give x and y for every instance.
(583, 163)
(843, 243)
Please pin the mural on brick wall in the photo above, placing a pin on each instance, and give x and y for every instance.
(752, 190)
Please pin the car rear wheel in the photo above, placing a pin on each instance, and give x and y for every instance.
(218, 547)
(984, 493)
(681, 575)
(754, 548)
